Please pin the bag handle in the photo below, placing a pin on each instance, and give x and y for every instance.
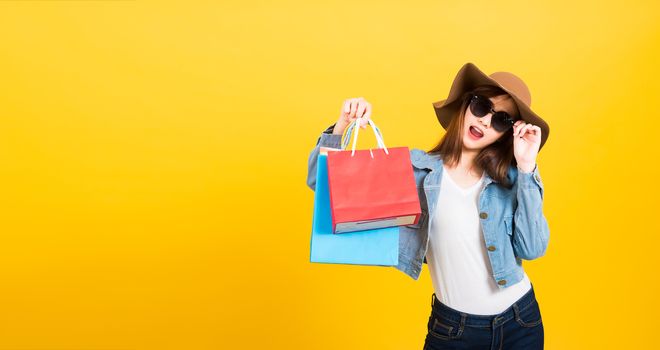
(349, 131)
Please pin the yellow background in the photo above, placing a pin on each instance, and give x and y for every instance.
(153, 159)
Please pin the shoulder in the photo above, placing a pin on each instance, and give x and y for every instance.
(424, 160)
(417, 153)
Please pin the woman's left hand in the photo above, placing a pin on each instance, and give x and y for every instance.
(526, 144)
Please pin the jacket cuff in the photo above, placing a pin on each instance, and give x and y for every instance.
(330, 140)
(531, 179)
(330, 129)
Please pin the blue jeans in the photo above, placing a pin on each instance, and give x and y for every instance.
(518, 327)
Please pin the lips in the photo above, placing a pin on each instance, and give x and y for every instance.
(476, 132)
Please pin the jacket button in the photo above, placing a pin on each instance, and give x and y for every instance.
(483, 215)
(501, 282)
(491, 248)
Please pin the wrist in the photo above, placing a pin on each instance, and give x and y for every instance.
(339, 128)
(526, 167)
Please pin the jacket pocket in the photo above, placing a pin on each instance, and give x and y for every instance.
(508, 225)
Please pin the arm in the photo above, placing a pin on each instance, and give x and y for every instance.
(352, 109)
(327, 139)
(531, 233)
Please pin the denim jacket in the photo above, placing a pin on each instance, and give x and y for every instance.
(512, 220)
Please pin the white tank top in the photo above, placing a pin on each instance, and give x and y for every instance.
(457, 258)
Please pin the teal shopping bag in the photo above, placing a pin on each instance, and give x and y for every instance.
(368, 247)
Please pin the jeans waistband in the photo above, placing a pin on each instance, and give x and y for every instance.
(483, 320)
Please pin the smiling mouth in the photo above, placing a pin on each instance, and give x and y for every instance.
(476, 132)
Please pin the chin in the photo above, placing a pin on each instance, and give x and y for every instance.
(471, 146)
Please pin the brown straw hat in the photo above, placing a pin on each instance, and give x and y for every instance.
(470, 77)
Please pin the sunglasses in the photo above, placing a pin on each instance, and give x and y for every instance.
(481, 105)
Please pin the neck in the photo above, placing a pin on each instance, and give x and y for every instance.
(467, 164)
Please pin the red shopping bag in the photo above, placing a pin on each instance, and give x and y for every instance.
(371, 189)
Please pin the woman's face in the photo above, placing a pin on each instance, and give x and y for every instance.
(489, 135)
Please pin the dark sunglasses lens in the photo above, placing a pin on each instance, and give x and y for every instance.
(501, 121)
(479, 107)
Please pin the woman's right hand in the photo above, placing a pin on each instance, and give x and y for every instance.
(352, 109)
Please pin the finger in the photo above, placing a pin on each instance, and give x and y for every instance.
(360, 112)
(354, 103)
(518, 122)
(523, 131)
(367, 114)
(347, 107)
(536, 133)
(362, 106)
(516, 128)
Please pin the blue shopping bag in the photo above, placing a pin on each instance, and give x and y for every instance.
(367, 247)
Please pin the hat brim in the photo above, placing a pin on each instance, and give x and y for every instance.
(469, 77)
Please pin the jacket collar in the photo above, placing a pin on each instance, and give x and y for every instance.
(423, 160)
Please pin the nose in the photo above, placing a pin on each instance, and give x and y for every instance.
(485, 120)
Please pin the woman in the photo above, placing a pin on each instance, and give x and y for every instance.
(481, 196)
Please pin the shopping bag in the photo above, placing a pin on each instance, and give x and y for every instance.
(371, 189)
(368, 247)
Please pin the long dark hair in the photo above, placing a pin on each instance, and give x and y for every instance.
(495, 158)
